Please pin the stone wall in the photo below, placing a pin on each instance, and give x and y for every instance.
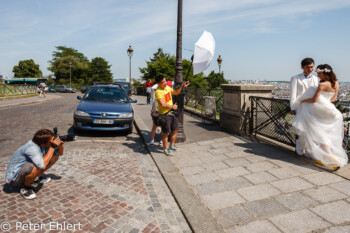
(236, 110)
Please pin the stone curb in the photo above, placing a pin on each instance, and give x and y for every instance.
(195, 212)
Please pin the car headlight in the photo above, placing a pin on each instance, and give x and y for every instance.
(126, 115)
(80, 113)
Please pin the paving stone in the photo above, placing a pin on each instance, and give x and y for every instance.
(232, 216)
(343, 186)
(306, 169)
(219, 151)
(324, 194)
(210, 158)
(323, 178)
(287, 161)
(340, 229)
(299, 221)
(296, 201)
(292, 184)
(258, 192)
(255, 158)
(236, 154)
(234, 183)
(260, 177)
(232, 172)
(209, 188)
(202, 178)
(215, 166)
(192, 170)
(260, 226)
(262, 166)
(237, 162)
(208, 142)
(335, 212)
(284, 172)
(222, 200)
(224, 139)
(265, 208)
(222, 144)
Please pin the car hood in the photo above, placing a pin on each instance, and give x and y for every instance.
(106, 107)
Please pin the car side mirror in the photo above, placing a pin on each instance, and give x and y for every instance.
(134, 101)
(79, 97)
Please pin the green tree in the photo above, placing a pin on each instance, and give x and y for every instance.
(27, 68)
(215, 79)
(164, 64)
(63, 51)
(99, 71)
(60, 68)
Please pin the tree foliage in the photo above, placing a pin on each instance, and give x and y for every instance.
(63, 51)
(164, 64)
(99, 71)
(215, 80)
(82, 70)
(27, 68)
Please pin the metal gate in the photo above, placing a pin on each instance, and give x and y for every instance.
(268, 118)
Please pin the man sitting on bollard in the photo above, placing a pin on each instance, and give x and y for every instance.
(31, 160)
(166, 110)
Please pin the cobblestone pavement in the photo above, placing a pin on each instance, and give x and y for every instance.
(253, 187)
(102, 183)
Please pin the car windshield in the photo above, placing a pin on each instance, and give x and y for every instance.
(106, 94)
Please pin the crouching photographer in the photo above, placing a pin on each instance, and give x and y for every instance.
(31, 160)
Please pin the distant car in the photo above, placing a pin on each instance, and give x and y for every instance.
(84, 88)
(64, 88)
(125, 85)
(104, 108)
(51, 89)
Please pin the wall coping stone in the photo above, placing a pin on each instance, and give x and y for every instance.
(246, 87)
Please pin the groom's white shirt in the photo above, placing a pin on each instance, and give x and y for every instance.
(299, 84)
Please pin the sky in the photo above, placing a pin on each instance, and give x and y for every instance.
(257, 39)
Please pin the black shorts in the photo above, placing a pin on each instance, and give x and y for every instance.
(171, 124)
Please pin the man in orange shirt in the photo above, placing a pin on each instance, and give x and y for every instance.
(164, 99)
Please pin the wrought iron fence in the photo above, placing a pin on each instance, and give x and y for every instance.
(268, 118)
(9, 90)
(195, 98)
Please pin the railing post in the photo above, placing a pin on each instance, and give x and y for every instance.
(233, 116)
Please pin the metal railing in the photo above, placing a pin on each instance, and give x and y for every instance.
(267, 118)
(194, 98)
(10, 90)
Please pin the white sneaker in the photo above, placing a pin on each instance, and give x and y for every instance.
(161, 142)
(151, 143)
(28, 193)
(42, 180)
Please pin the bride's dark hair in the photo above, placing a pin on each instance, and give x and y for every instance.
(328, 71)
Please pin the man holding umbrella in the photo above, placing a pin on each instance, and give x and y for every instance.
(166, 109)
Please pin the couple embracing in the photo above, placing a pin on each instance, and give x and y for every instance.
(317, 122)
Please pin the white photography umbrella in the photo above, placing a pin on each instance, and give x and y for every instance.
(204, 50)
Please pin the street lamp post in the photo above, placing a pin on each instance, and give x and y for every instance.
(70, 74)
(181, 137)
(219, 63)
(130, 52)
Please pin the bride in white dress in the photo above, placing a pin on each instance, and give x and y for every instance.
(320, 122)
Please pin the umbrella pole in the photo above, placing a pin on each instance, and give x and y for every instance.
(189, 69)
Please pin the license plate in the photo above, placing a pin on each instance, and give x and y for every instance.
(103, 121)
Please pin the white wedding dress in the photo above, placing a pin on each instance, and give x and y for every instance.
(321, 128)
